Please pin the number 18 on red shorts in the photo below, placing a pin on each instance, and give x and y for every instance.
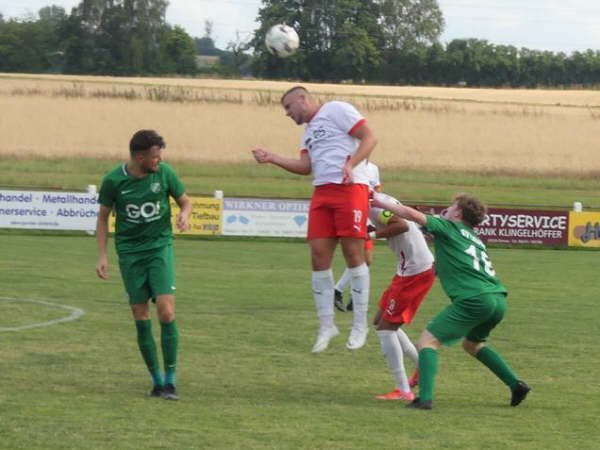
(339, 210)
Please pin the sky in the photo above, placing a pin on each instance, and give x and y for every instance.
(556, 25)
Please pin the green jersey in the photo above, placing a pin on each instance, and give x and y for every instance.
(142, 207)
(461, 260)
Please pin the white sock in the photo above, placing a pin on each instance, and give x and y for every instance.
(408, 347)
(393, 353)
(360, 294)
(322, 287)
(343, 281)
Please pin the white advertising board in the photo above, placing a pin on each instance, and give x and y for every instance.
(48, 210)
(265, 217)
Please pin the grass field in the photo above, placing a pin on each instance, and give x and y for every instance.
(247, 378)
(245, 310)
(253, 180)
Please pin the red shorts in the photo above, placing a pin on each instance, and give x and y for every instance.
(339, 210)
(400, 302)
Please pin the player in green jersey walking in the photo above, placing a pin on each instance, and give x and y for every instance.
(138, 191)
(469, 279)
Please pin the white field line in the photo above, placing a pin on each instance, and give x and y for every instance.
(75, 314)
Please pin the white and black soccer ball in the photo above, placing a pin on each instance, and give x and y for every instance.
(282, 40)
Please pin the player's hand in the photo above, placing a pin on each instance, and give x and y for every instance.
(182, 223)
(347, 173)
(262, 156)
(428, 236)
(102, 268)
(371, 228)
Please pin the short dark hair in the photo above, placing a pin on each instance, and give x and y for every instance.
(293, 89)
(144, 140)
(473, 209)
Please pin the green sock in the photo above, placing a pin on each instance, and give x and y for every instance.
(428, 365)
(169, 339)
(493, 361)
(148, 349)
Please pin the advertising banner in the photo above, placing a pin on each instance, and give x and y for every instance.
(584, 229)
(48, 210)
(265, 217)
(206, 215)
(287, 218)
(520, 226)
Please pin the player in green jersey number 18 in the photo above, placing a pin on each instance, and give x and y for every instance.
(138, 191)
(469, 279)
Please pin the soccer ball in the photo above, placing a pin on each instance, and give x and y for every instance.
(282, 40)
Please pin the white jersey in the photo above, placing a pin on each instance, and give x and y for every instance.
(410, 247)
(373, 174)
(329, 144)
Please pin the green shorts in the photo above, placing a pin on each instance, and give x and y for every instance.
(148, 274)
(473, 318)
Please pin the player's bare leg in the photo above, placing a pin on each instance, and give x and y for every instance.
(322, 251)
(353, 249)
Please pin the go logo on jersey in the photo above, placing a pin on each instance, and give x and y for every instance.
(147, 210)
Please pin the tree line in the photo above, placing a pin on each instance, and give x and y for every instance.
(109, 37)
(372, 41)
(397, 42)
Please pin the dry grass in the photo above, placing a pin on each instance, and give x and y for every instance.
(218, 120)
(557, 97)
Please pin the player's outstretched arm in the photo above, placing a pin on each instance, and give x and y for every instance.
(101, 238)
(368, 141)
(300, 166)
(406, 212)
(395, 226)
(185, 210)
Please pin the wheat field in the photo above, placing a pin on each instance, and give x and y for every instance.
(206, 120)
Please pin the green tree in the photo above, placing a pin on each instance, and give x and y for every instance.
(326, 29)
(52, 15)
(206, 44)
(266, 65)
(456, 51)
(436, 63)
(51, 19)
(146, 23)
(354, 54)
(32, 44)
(406, 23)
(179, 48)
(118, 37)
(236, 60)
(507, 65)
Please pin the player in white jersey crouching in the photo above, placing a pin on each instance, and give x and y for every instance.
(400, 301)
(335, 144)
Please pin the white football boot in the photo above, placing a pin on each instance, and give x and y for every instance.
(325, 335)
(357, 338)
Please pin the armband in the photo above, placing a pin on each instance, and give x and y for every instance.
(385, 216)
